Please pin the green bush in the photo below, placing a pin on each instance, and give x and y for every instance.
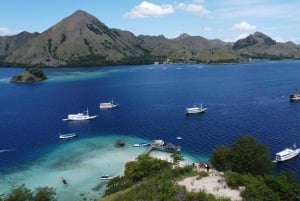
(245, 156)
(22, 193)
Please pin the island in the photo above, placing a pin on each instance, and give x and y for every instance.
(30, 75)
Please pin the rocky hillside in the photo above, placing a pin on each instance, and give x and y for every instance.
(9, 44)
(259, 45)
(83, 40)
(79, 39)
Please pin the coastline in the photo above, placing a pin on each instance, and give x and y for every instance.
(81, 161)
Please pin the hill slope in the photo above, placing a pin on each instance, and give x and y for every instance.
(259, 45)
(75, 40)
(9, 44)
(83, 40)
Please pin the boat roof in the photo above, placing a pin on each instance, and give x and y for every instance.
(285, 152)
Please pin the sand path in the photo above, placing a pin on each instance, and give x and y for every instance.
(214, 184)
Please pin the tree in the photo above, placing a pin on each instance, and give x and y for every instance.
(284, 184)
(44, 194)
(22, 193)
(249, 156)
(221, 158)
(19, 193)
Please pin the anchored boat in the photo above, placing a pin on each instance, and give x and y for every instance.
(286, 154)
(108, 105)
(294, 96)
(195, 109)
(80, 116)
(67, 136)
(106, 177)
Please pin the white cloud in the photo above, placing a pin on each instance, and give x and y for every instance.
(244, 26)
(193, 8)
(149, 10)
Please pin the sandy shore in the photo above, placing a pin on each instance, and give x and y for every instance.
(214, 184)
(81, 162)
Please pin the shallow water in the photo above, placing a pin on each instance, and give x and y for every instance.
(81, 162)
(241, 99)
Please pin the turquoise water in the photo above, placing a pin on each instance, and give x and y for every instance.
(241, 99)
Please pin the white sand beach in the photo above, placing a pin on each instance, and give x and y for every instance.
(81, 162)
(214, 184)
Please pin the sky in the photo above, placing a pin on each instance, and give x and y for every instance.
(228, 20)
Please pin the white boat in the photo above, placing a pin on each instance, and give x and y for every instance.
(106, 177)
(108, 105)
(67, 136)
(141, 144)
(286, 154)
(80, 116)
(294, 96)
(179, 138)
(195, 109)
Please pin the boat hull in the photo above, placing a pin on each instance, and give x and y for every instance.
(195, 110)
(286, 154)
(295, 97)
(80, 118)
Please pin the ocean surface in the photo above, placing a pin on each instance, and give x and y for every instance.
(241, 99)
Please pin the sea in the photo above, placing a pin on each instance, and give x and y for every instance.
(251, 98)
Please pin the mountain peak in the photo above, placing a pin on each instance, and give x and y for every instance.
(75, 39)
(183, 36)
(252, 39)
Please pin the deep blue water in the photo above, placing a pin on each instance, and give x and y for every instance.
(241, 99)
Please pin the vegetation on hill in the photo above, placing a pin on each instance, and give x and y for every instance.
(82, 40)
(151, 179)
(22, 193)
(247, 163)
(246, 155)
(30, 75)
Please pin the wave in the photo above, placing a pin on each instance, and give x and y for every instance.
(6, 150)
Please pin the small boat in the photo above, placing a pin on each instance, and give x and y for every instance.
(141, 144)
(195, 109)
(120, 143)
(179, 138)
(106, 177)
(294, 96)
(67, 136)
(63, 180)
(286, 154)
(80, 116)
(108, 105)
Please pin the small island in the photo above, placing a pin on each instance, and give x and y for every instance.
(29, 76)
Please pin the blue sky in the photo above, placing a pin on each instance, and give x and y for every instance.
(227, 20)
